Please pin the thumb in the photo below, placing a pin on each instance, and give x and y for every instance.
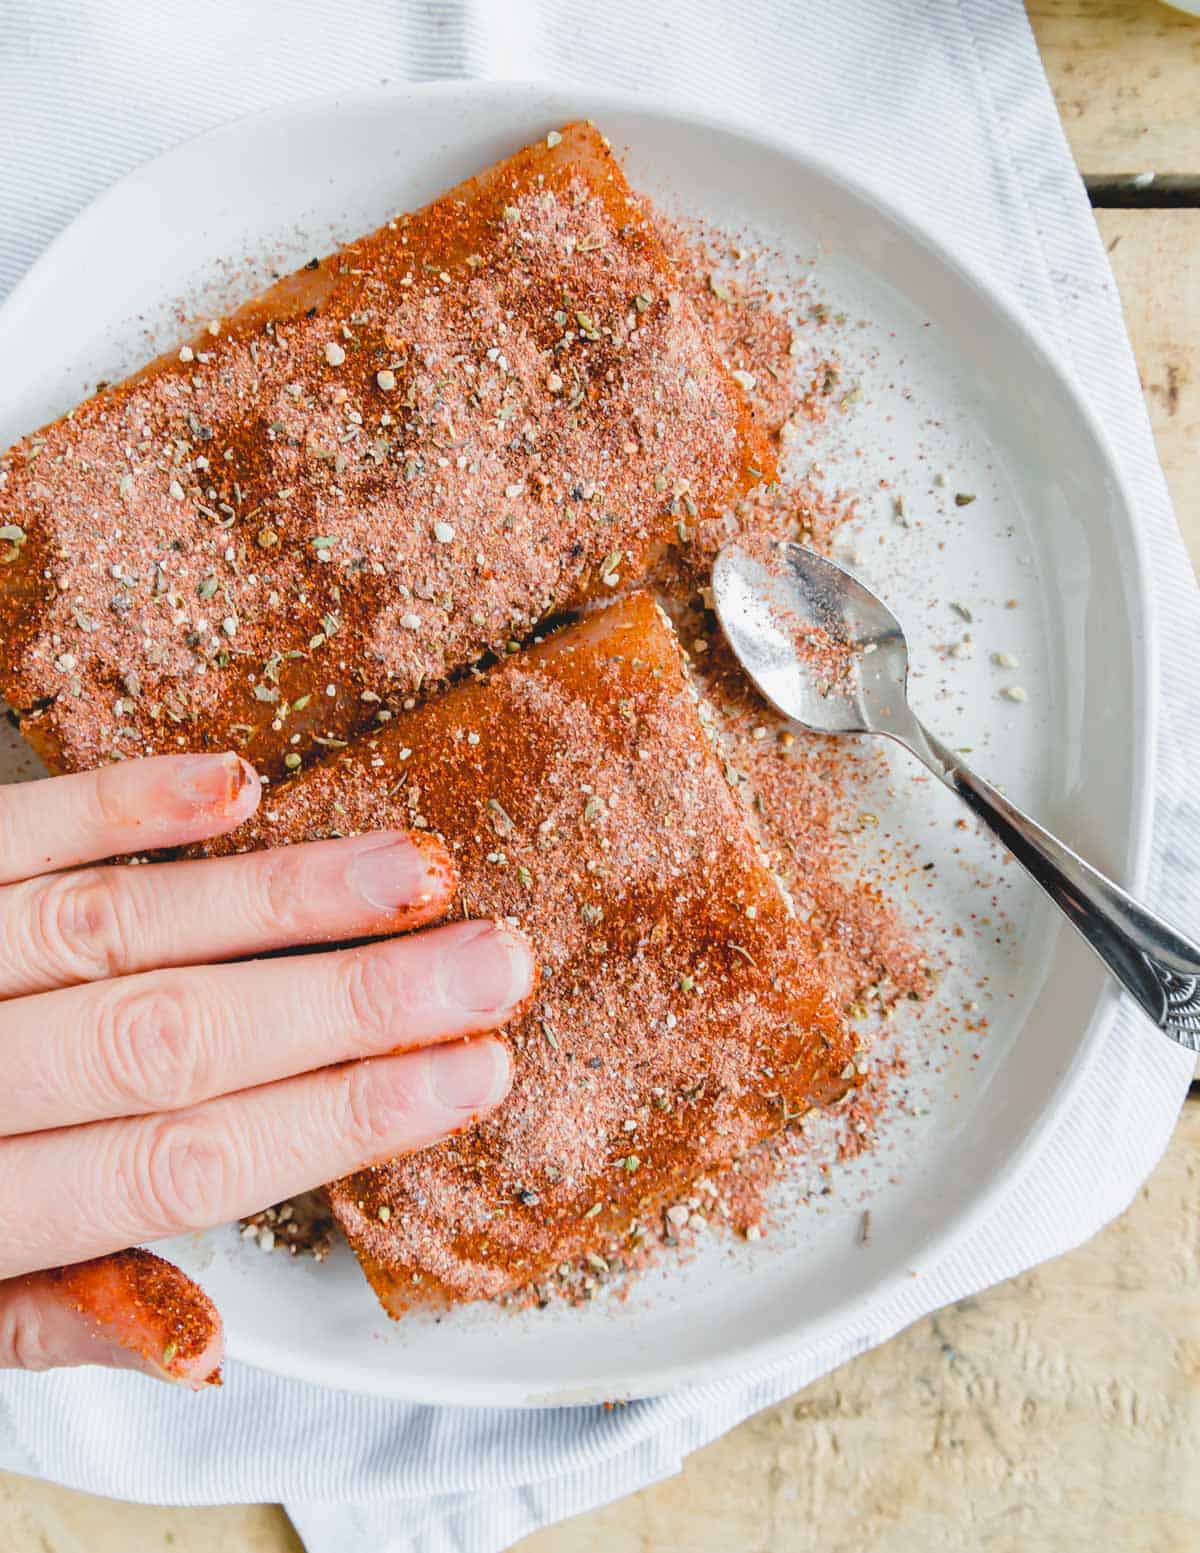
(130, 1310)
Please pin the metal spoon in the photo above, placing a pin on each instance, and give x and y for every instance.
(778, 611)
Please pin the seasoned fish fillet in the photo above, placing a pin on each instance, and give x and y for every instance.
(676, 1022)
(401, 456)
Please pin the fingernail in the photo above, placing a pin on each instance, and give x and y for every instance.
(394, 873)
(213, 781)
(486, 968)
(470, 1075)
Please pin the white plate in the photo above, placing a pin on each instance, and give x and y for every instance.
(952, 381)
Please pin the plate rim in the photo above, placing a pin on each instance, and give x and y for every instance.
(761, 1356)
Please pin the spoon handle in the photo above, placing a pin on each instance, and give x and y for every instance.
(1159, 967)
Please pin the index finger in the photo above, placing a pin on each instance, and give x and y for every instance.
(132, 806)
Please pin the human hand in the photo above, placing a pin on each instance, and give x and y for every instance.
(152, 1087)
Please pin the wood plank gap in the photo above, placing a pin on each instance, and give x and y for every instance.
(1131, 192)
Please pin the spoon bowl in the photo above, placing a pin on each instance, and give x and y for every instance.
(818, 643)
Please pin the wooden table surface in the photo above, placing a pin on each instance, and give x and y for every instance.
(1060, 1412)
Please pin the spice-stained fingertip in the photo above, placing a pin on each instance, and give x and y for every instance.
(158, 1320)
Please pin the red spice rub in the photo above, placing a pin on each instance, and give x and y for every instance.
(802, 794)
(753, 335)
(772, 337)
(677, 1021)
(399, 457)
